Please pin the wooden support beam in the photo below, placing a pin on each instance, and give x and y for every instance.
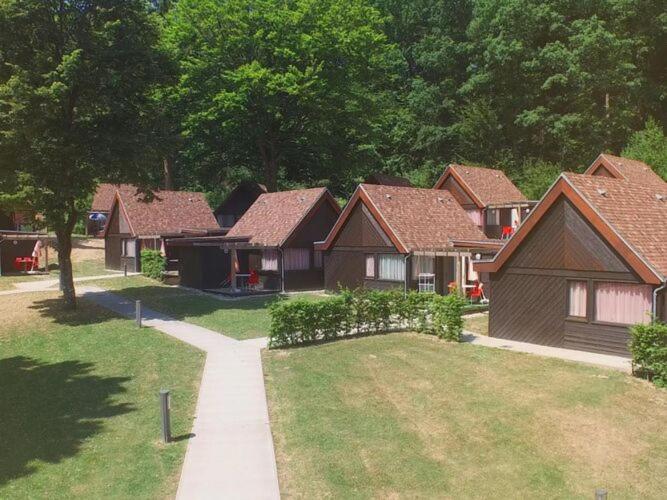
(232, 273)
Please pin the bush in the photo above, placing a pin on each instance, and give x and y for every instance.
(363, 311)
(152, 264)
(648, 345)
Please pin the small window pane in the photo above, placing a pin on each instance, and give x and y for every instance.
(493, 217)
(270, 260)
(317, 259)
(391, 267)
(297, 259)
(422, 264)
(370, 266)
(578, 292)
(622, 303)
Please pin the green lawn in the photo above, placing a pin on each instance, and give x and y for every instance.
(477, 324)
(410, 416)
(79, 404)
(241, 318)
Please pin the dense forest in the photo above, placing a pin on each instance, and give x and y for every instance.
(201, 94)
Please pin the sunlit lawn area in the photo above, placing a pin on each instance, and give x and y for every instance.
(79, 406)
(477, 323)
(239, 318)
(410, 416)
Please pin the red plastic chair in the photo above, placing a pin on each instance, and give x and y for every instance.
(507, 232)
(253, 279)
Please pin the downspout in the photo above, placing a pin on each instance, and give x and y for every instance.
(654, 308)
(282, 270)
(405, 278)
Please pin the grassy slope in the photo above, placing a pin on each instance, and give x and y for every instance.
(477, 324)
(404, 415)
(242, 319)
(80, 414)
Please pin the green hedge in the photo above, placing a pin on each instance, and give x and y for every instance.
(361, 312)
(648, 345)
(152, 264)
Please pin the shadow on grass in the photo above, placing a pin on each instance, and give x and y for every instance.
(49, 410)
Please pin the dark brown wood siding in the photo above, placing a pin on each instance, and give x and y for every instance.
(10, 249)
(459, 194)
(203, 267)
(529, 295)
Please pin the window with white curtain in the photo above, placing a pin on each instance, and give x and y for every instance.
(317, 259)
(391, 267)
(577, 298)
(297, 259)
(622, 303)
(475, 215)
(422, 264)
(370, 266)
(269, 260)
(128, 248)
(493, 217)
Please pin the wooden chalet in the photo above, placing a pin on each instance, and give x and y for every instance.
(137, 222)
(491, 200)
(23, 251)
(237, 203)
(405, 238)
(588, 262)
(98, 215)
(272, 241)
(624, 168)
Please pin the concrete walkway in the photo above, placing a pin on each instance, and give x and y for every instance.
(608, 361)
(231, 454)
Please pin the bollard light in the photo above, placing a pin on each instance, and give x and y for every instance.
(137, 311)
(601, 494)
(164, 410)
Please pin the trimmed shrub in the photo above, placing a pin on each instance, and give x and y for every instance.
(152, 264)
(648, 345)
(362, 311)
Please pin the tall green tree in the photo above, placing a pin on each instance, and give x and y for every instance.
(74, 82)
(286, 90)
(650, 146)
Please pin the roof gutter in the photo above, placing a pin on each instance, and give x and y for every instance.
(654, 307)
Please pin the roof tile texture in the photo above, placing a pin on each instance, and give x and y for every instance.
(635, 211)
(423, 219)
(168, 212)
(274, 216)
(490, 185)
(632, 170)
(104, 196)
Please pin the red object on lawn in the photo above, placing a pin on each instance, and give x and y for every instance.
(21, 263)
(477, 291)
(253, 279)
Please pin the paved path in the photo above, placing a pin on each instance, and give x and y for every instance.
(615, 362)
(44, 285)
(231, 454)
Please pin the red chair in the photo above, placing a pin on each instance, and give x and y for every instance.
(253, 279)
(507, 232)
(477, 292)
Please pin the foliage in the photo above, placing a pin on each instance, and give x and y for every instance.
(74, 85)
(650, 146)
(365, 311)
(648, 345)
(153, 264)
(537, 177)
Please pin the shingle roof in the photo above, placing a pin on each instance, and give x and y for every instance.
(167, 213)
(638, 213)
(489, 185)
(104, 196)
(632, 170)
(421, 219)
(274, 216)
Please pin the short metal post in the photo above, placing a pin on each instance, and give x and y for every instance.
(125, 270)
(164, 409)
(138, 313)
(600, 494)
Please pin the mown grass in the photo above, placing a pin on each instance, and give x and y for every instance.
(409, 416)
(477, 324)
(240, 318)
(79, 406)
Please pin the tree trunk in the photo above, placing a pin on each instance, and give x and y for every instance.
(64, 238)
(267, 150)
(168, 168)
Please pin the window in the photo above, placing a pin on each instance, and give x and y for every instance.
(317, 259)
(622, 303)
(475, 215)
(577, 297)
(493, 217)
(370, 266)
(391, 267)
(422, 264)
(270, 260)
(297, 259)
(128, 248)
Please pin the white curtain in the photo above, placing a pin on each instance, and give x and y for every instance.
(515, 217)
(472, 274)
(270, 260)
(297, 259)
(475, 215)
(622, 303)
(317, 259)
(422, 264)
(370, 266)
(578, 292)
(391, 267)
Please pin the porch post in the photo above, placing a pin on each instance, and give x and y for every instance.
(232, 272)
(464, 273)
(457, 278)
(46, 255)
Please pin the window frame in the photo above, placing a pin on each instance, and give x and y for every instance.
(375, 264)
(593, 303)
(391, 255)
(587, 316)
(496, 218)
